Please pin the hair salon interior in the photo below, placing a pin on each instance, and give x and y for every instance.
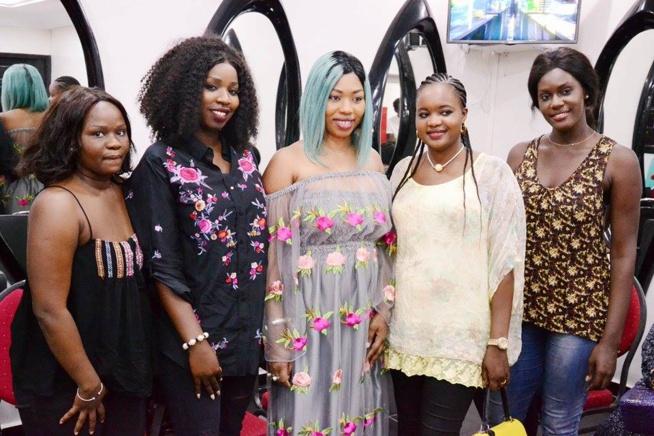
(112, 43)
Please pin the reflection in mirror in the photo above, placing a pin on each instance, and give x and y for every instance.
(263, 52)
(44, 30)
(623, 95)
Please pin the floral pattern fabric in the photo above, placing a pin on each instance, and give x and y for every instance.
(450, 261)
(204, 235)
(330, 272)
(567, 269)
(19, 193)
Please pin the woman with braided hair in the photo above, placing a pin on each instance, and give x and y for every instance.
(458, 305)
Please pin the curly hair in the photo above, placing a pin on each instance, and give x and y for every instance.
(171, 93)
(574, 63)
(53, 152)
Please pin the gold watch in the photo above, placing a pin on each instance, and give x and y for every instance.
(501, 343)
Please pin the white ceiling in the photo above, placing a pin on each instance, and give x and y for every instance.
(49, 14)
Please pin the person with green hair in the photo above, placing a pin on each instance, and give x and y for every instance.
(24, 99)
(329, 283)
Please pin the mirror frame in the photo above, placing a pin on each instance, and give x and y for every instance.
(638, 19)
(287, 129)
(94, 73)
(413, 15)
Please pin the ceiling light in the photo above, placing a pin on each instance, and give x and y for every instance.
(17, 3)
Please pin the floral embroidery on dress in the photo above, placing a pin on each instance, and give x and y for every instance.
(255, 269)
(292, 340)
(301, 382)
(363, 256)
(282, 430)
(232, 279)
(337, 379)
(281, 232)
(305, 264)
(275, 291)
(318, 322)
(220, 345)
(349, 316)
(246, 165)
(389, 242)
(348, 426)
(313, 429)
(335, 261)
(321, 220)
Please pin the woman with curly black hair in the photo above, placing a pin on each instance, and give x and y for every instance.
(197, 203)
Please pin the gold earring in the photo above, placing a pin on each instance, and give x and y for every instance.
(463, 129)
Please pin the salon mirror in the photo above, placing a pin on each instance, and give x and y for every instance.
(627, 86)
(409, 52)
(52, 35)
(254, 35)
(258, 27)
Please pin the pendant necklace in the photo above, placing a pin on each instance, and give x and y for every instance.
(572, 143)
(440, 167)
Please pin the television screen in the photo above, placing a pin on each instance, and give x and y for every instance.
(513, 21)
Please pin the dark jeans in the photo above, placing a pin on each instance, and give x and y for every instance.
(124, 415)
(428, 406)
(204, 417)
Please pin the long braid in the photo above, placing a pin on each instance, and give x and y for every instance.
(418, 151)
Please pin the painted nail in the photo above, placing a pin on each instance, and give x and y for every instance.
(588, 377)
(212, 396)
(197, 395)
(218, 393)
(367, 344)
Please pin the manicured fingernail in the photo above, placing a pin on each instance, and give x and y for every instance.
(367, 344)
(61, 421)
(588, 377)
(212, 396)
(218, 393)
(197, 395)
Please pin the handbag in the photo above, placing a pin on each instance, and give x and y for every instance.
(510, 426)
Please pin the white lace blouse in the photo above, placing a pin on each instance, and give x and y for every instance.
(450, 261)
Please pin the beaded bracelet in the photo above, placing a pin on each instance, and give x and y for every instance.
(92, 398)
(194, 341)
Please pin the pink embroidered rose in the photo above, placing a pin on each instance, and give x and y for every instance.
(368, 422)
(317, 433)
(320, 324)
(380, 217)
(305, 262)
(335, 259)
(324, 222)
(338, 377)
(284, 234)
(23, 202)
(389, 293)
(299, 344)
(352, 319)
(246, 165)
(189, 175)
(363, 254)
(302, 380)
(354, 219)
(204, 225)
(390, 238)
(276, 288)
(282, 432)
(349, 428)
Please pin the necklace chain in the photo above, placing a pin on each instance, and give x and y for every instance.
(440, 167)
(549, 136)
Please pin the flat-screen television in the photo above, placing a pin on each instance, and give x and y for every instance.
(513, 21)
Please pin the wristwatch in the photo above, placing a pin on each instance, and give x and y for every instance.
(501, 343)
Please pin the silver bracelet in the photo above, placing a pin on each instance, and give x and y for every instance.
(194, 341)
(92, 398)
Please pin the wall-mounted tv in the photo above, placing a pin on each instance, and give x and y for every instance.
(513, 21)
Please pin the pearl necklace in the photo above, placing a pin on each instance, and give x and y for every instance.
(549, 136)
(440, 167)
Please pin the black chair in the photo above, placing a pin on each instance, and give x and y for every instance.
(13, 246)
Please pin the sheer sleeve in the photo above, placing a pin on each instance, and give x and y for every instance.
(284, 316)
(384, 297)
(152, 209)
(506, 245)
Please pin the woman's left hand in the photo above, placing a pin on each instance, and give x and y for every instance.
(377, 334)
(601, 366)
(495, 368)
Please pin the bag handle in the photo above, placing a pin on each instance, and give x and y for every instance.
(485, 426)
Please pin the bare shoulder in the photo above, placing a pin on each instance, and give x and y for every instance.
(55, 212)
(374, 162)
(516, 154)
(281, 170)
(623, 157)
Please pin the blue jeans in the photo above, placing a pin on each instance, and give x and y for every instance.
(554, 366)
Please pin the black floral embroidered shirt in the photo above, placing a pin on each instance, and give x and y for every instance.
(204, 235)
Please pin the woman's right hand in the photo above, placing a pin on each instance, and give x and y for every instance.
(91, 410)
(205, 369)
(281, 370)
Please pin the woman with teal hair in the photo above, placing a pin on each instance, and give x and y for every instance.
(24, 99)
(329, 285)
